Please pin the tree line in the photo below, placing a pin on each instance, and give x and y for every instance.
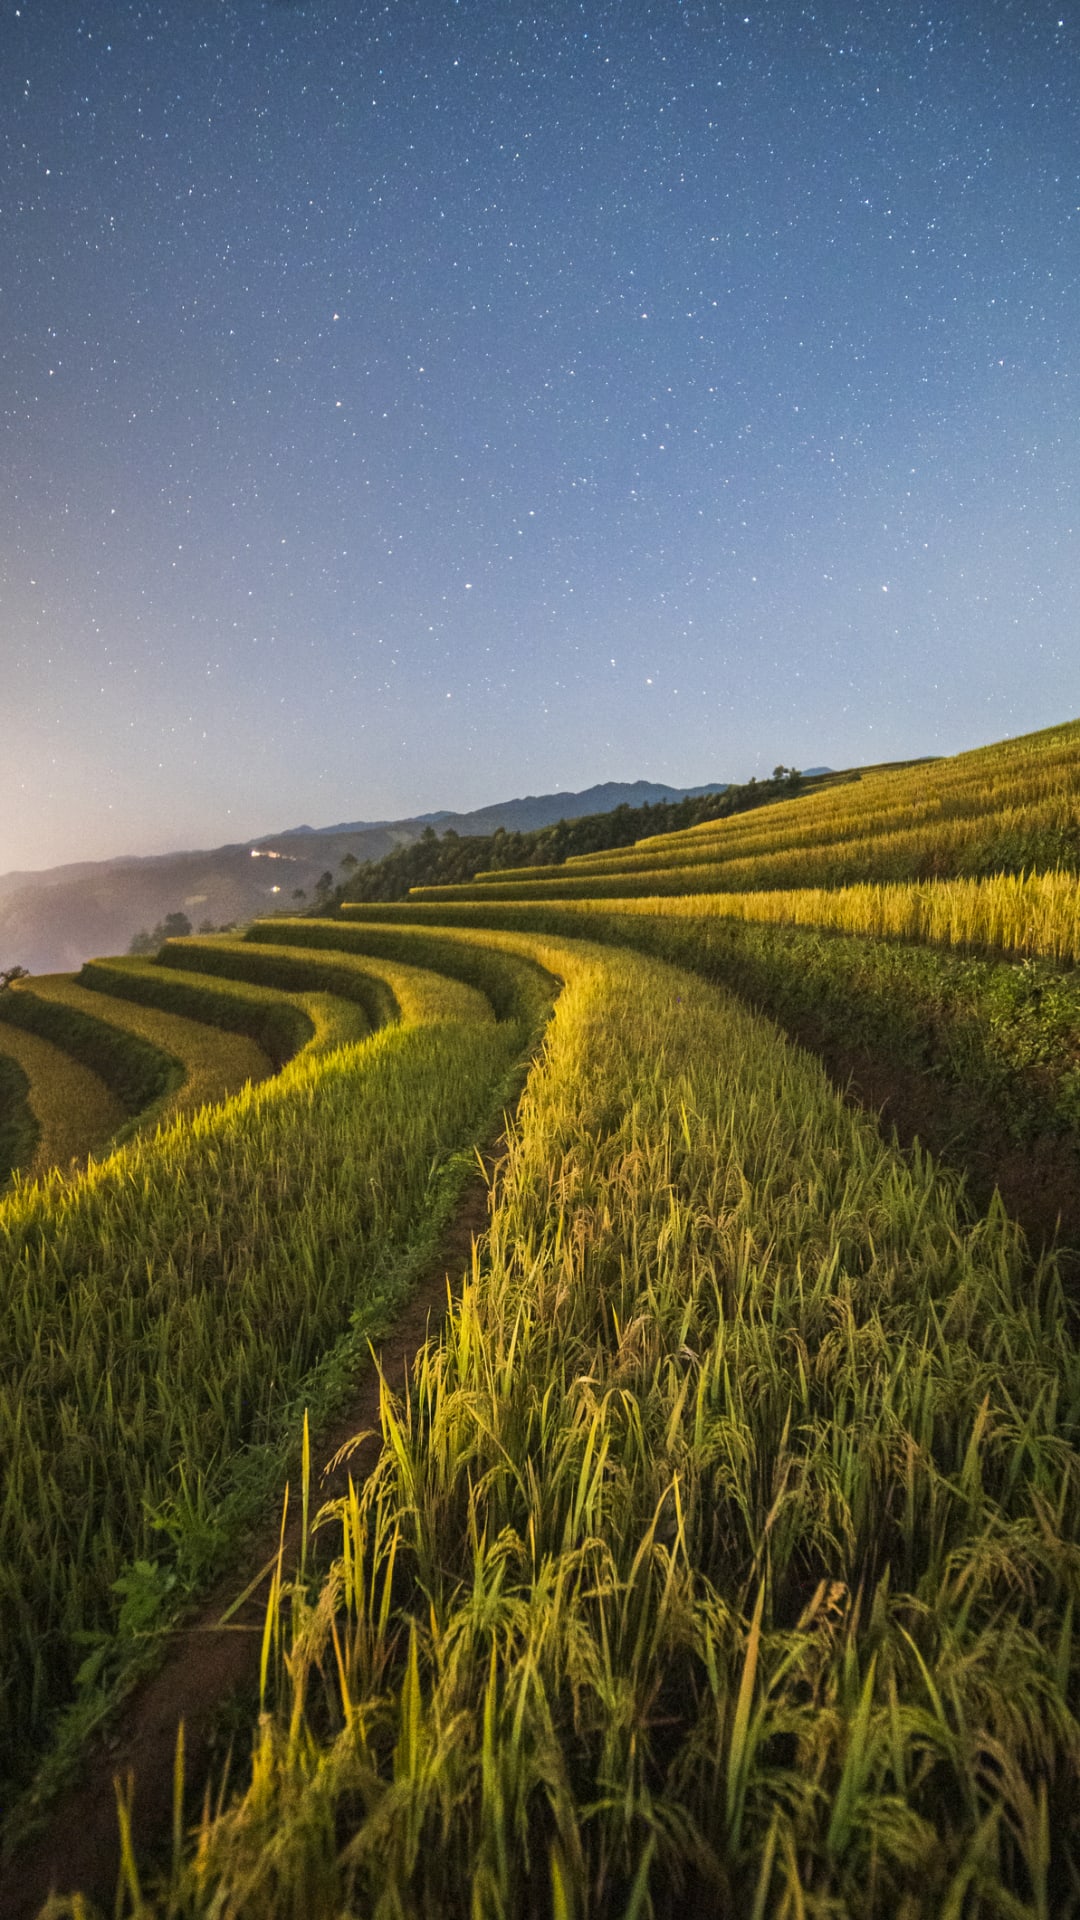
(449, 858)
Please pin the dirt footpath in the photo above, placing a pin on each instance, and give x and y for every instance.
(78, 1848)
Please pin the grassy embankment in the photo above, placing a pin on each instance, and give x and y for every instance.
(213, 1063)
(724, 1556)
(165, 1311)
(283, 1024)
(84, 1081)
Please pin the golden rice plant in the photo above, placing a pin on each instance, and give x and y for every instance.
(162, 1311)
(1032, 915)
(75, 1112)
(722, 1557)
(1012, 806)
(216, 1062)
(1006, 842)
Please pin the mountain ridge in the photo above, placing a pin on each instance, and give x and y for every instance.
(53, 919)
(602, 798)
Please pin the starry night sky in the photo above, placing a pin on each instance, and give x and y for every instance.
(417, 405)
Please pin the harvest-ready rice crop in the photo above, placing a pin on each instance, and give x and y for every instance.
(281, 1024)
(1004, 1037)
(1035, 914)
(1011, 844)
(132, 1067)
(161, 1312)
(515, 984)
(722, 1558)
(1009, 808)
(75, 1114)
(1032, 915)
(1006, 779)
(216, 1063)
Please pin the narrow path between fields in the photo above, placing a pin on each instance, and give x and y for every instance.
(78, 1847)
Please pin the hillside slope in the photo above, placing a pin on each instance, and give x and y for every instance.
(718, 1554)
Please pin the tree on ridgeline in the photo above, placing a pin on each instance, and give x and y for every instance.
(175, 926)
(9, 975)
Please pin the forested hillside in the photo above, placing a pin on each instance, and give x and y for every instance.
(436, 860)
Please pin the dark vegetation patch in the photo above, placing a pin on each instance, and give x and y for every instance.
(134, 1070)
(18, 1129)
(276, 1026)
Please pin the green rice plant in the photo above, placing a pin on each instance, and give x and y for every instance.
(1026, 915)
(517, 987)
(278, 1023)
(74, 1113)
(280, 967)
(19, 1130)
(216, 1062)
(164, 1311)
(1004, 1037)
(132, 1067)
(1011, 843)
(163, 1062)
(1012, 777)
(722, 1556)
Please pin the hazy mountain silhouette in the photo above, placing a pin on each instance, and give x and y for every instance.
(54, 920)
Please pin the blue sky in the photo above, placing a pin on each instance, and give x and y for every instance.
(417, 405)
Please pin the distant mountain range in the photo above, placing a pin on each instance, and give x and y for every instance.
(54, 920)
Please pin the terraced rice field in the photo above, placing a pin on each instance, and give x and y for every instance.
(722, 1555)
(73, 1113)
(1010, 809)
(213, 1062)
